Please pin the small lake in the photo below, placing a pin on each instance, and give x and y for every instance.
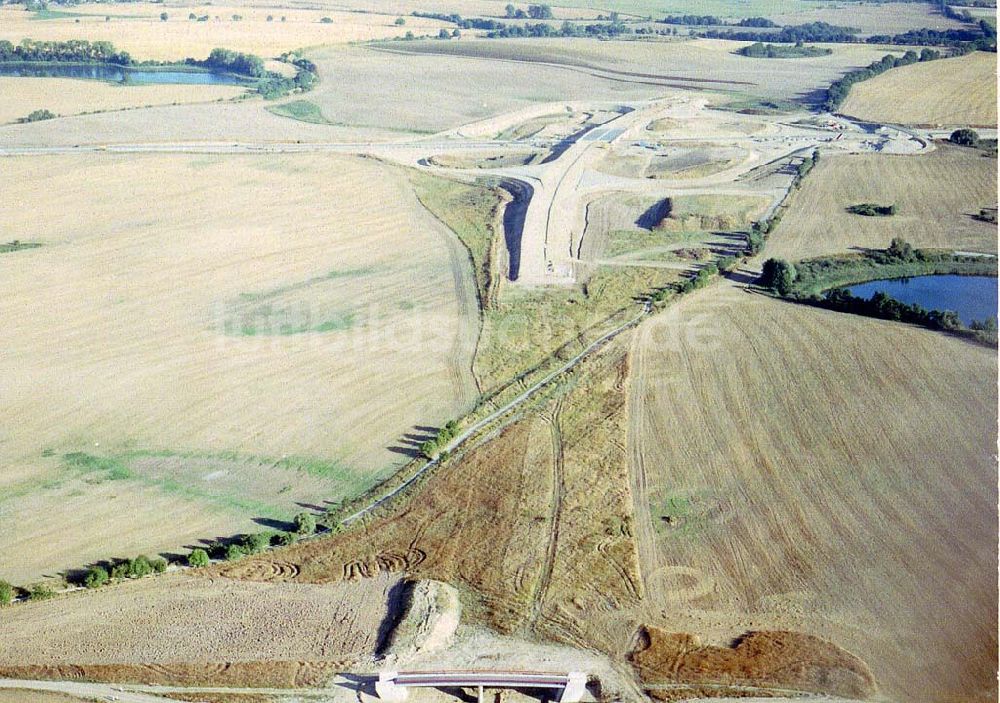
(972, 297)
(117, 74)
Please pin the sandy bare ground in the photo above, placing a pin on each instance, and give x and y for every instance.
(957, 91)
(190, 618)
(826, 473)
(65, 96)
(294, 333)
(936, 195)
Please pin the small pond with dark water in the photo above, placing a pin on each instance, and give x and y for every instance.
(972, 297)
(119, 74)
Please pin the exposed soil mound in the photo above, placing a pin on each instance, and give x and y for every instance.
(430, 617)
(486, 159)
(767, 659)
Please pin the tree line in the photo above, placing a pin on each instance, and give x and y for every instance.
(72, 50)
(712, 20)
(839, 89)
(759, 50)
(983, 37)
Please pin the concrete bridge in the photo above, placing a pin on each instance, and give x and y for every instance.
(567, 688)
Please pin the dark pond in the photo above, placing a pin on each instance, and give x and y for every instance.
(972, 297)
(117, 74)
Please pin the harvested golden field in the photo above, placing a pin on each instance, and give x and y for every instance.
(419, 92)
(874, 17)
(207, 351)
(65, 96)
(704, 64)
(935, 195)
(958, 91)
(798, 469)
(138, 29)
(554, 482)
(190, 621)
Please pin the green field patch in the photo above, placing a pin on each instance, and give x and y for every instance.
(309, 282)
(301, 110)
(99, 467)
(682, 513)
(759, 106)
(259, 486)
(18, 245)
(315, 305)
(47, 14)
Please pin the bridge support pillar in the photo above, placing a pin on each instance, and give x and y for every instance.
(575, 687)
(386, 688)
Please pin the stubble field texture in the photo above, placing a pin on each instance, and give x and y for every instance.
(816, 471)
(935, 194)
(210, 354)
(65, 96)
(956, 91)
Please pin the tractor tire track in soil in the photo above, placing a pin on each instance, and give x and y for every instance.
(645, 537)
(558, 493)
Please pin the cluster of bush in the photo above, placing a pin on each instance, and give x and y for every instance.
(568, 29)
(535, 12)
(712, 20)
(39, 591)
(803, 169)
(73, 50)
(699, 280)
(229, 61)
(872, 210)
(983, 37)
(838, 90)
(444, 435)
(274, 85)
(965, 137)
(254, 543)
(759, 50)
(100, 574)
(809, 32)
(36, 116)
(987, 214)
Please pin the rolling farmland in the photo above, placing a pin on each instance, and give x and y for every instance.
(243, 383)
(65, 96)
(935, 195)
(435, 360)
(839, 480)
(138, 29)
(959, 91)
